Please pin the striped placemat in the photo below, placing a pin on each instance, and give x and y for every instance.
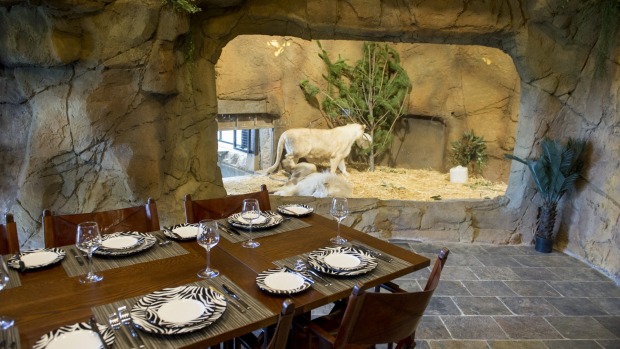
(287, 225)
(101, 263)
(341, 283)
(230, 320)
(14, 280)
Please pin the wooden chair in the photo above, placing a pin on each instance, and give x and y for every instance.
(197, 210)
(60, 230)
(279, 336)
(374, 318)
(9, 242)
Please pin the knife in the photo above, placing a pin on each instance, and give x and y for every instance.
(241, 309)
(95, 328)
(316, 275)
(373, 253)
(234, 295)
(78, 256)
(229, 228)
(310, 280)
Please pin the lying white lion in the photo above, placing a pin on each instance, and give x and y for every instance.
(319, 185)
(317, 145)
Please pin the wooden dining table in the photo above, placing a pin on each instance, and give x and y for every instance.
(49, 298)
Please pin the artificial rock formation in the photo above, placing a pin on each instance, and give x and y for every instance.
(101, 105)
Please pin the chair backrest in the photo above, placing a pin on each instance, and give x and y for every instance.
(398, 313)
(60, 230)
(197, 210)
(9, 242)
(281, 333)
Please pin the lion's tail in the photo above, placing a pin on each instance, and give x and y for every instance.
(275, 165)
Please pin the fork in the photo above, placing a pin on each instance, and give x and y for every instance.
(116, 326)
(125, 319)
(302, 267)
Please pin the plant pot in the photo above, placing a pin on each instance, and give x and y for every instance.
(458, 174)
(543, 245)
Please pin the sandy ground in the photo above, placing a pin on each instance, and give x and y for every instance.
(387, 183)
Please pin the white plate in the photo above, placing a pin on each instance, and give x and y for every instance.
(77, 336)
(37, 258)
(342, 261)
(119, 242)
(182, 232)
(181, 311)
(146, 241)
(279, 281)
(296, 210)
(164, 311)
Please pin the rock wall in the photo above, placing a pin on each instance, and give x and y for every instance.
(100, 107)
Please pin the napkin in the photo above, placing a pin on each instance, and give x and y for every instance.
(296, 209)
(261, 219)
(186, 231)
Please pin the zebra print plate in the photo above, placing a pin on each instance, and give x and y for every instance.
(279, 281)
(159, 313)
(295, 210)
(77, 336)
(182, 232)
(37, 258)
(148, 241)
(316, 259)
(271, 219)
(121, 241)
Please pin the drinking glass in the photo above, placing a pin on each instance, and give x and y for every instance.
(339, 210)
(88, 240)
(208, 236)
(250, 212)
(5, 321)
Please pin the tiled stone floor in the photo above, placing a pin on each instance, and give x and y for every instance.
(514, 297)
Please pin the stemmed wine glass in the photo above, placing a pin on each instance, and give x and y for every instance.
(250, 212)
(208, 236)
(5, 321)
(339, 210)
(88, 240)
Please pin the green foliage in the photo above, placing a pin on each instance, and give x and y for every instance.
(555, 174)
(373, 93)
(182, 5)
(470, 151)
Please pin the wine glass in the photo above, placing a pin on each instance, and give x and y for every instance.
(88, 240)
(5, 321)
(250, 212)
(339, 210)
(208, 236)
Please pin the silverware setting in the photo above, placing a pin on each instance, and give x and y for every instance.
(95, 327)
(228, 300)
(162, 241)
(125, 320)
(77, 255)
(374, 253)
(228, 229)
(302, 267)
(115, 324)
(235, 296)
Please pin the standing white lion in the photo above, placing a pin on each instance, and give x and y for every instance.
(317, 145)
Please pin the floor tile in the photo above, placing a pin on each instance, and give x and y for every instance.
(481, 306)
(504, 250)
(473, 327)
(431, 327)
(421, 274)
(488, 288)
(464, 260)
(530, 306)
(532, 288)
(541, 274)
(586, 289)
(515, 344)
(458, 344)
(442, 306)
(495, 273)
(609, 344)
(611, 323)
(497, 261)
(611, 305)
(527, 327)
(578, 274)
(409, 285)
(457, 273)
(580, 327)
(572, 344)
(451, 288)
(576, 306)
(559, 260)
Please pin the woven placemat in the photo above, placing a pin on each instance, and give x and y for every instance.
(341, 283)
(101, 263)
(230, 320)
(287, 225)
(14, 280)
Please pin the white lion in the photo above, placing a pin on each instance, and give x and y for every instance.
(318, 144)
(319, 185)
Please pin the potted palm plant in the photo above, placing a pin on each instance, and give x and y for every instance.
(469, 153)
(555, 174)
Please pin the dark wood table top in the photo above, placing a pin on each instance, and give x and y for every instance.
(48, 298)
